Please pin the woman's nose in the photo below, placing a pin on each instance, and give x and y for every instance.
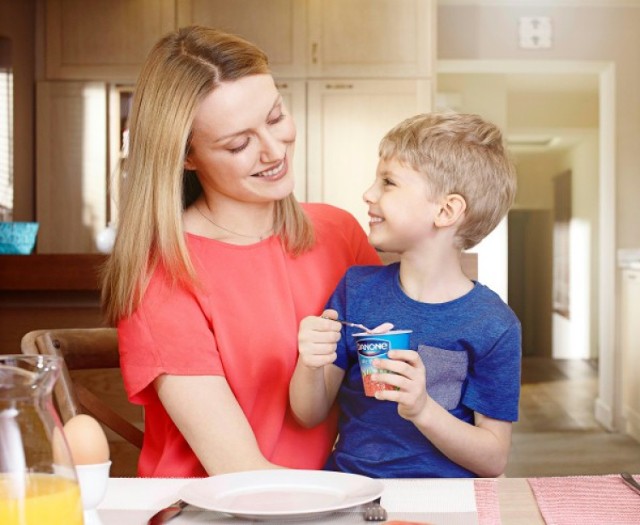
(272, 148)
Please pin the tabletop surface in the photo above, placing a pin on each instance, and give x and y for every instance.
(135, 500)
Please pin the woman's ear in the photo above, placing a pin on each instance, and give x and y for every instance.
(188, 164)
(452, 208)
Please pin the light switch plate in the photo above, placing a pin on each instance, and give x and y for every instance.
(535, 32)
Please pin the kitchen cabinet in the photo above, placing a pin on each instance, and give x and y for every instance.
(276, 26)
(106, 40)
(348, 71)
(71, 167)
(346, 120)
(371, 38)
(102, 39)
(630, 343)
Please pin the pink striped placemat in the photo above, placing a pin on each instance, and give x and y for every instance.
(487, 502)
(586, 500)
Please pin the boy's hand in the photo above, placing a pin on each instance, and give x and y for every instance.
(317, 339)
(411, 379)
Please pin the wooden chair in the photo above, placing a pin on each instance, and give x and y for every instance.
(83, 349)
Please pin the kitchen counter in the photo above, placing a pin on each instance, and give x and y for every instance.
(47, 291)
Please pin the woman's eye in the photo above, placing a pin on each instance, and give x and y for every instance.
(240, 148)
(277, 119)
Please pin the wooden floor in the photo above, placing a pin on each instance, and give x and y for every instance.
(557, 434)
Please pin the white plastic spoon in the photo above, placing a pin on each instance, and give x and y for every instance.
(380, 329)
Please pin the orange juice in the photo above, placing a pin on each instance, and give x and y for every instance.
(50, 499)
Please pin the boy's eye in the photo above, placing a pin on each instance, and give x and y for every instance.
(240, 148)
(387, 182)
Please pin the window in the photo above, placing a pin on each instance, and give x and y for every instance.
(6, 131)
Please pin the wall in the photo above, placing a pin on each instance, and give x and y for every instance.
(582, 160)
(475, 32)
(17, 22)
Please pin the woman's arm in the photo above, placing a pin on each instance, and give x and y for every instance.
(315, 381)
(482, 448)
(207, 414)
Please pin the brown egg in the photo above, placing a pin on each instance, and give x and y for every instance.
(87, 441)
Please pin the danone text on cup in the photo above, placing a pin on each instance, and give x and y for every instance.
(377, 346)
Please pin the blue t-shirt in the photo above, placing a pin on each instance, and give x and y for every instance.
(471, 348)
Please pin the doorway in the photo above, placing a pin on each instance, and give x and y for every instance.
(601, 258)
(530, 277)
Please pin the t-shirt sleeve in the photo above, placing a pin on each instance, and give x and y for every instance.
(169, 333)
(494, 378)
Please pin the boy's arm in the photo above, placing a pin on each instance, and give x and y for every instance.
(482, 448)
(315, 381)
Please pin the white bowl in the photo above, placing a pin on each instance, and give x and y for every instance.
(93, 483)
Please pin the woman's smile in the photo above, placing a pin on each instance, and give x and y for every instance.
(275, 173)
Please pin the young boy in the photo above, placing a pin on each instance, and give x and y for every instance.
(443, 182)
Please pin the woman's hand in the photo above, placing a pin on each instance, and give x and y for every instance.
(317, 339)
(409, 377)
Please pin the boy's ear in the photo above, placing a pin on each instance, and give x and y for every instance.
(452, 208)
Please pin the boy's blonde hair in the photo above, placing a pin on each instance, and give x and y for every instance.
(463, 154)
(180, 71)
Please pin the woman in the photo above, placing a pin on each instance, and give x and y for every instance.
(215, 263)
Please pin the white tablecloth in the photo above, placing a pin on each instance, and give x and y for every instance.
(132, 501)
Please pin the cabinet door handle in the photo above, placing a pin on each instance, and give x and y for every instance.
(338, 86)
(314, 53)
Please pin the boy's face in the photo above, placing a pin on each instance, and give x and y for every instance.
(401, 210)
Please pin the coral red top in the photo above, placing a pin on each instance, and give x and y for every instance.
(241, 324)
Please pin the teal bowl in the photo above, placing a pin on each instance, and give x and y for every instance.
(18, 238)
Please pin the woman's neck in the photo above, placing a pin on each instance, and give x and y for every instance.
(232, 222)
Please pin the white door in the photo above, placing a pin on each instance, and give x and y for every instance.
(71, 165)
(345, 121)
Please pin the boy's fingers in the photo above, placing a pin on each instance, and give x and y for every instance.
(330, 314)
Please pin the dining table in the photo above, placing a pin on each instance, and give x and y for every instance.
(482, 501)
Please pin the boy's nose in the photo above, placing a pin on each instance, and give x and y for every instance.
(369, 195)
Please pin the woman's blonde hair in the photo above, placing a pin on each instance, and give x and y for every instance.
(181, 70)
(462, 154)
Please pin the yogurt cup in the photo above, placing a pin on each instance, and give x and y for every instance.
(377, 346)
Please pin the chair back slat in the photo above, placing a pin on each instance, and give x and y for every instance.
(83, 349)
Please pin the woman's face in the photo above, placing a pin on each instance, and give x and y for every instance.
(242, 142)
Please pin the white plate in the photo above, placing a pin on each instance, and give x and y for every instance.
(279, 494)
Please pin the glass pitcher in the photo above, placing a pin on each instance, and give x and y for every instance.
(38, 483)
